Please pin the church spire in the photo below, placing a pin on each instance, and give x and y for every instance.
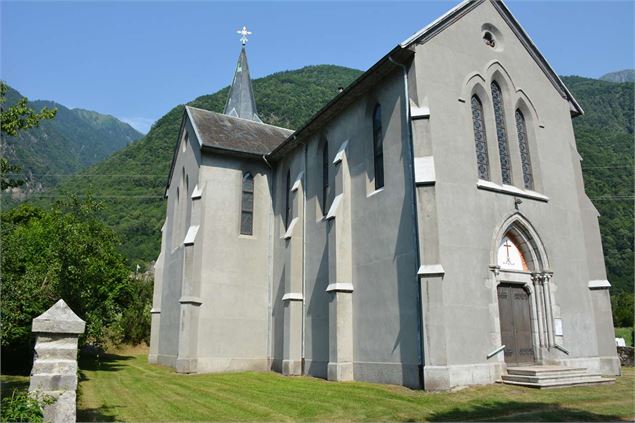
(241, 102)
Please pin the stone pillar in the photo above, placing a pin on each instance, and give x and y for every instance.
(294, 292)
(551, 339)
(190, 301)
(340, 366)
(54, 370)
(155, 328)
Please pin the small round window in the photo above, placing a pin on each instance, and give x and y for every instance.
(489, 39)
(492, 37)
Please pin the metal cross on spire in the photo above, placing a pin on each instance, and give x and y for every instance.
(244, 34)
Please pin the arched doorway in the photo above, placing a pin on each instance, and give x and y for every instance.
(521, 276)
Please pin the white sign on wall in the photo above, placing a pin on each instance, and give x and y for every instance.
(557, 327)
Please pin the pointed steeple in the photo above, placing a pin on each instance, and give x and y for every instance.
(241, 102)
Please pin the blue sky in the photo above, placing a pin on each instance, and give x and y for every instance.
(136, 60)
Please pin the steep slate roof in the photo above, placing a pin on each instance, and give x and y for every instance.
(230, 135)
(220, 132)
(402, 52)
(241, 102)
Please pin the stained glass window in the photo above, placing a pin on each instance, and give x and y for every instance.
(247, 206)
(325, 177)
(480, 138)
(521, 128)
(378, 148)
(501, 134)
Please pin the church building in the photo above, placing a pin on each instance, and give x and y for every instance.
(428, 227)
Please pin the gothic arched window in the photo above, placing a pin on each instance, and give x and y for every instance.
(501, 134)
(247, 206)
(480, 138)
(523, 143)
(325, 177)
(287, 212)
(378, 148)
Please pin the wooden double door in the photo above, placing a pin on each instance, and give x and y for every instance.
(515, 321)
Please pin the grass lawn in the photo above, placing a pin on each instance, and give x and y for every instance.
(626, 333)
(127, 388)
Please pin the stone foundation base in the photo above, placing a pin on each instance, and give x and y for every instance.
(166, 360)
(186, 365)
(340, 371)
(292, 367)
(219, 365)
(606, 365)
(440, 378)
(153, 358)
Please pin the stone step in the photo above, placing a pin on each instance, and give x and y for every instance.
(551, 376)
(551, 379)
(546, 370)
(561, 384)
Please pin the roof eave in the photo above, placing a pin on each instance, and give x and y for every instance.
(230, 152)
(175, 152)
(466, 6)
(343, 99)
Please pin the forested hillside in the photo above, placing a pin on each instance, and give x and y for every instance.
(75, 139)
(605, 141)
(626, 75)
(131, 182)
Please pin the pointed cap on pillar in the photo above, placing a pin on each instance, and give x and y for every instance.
(241, 102)
(58, 319)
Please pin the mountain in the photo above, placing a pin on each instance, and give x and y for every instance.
(626, 75)
(73, 140)
(131, 182)
(604, 136)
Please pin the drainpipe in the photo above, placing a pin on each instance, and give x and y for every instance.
(304, 191)
(420, 329)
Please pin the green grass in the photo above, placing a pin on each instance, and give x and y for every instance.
(626, 333)
(121, 387)
(127, 388)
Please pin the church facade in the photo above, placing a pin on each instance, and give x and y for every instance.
(428, 227)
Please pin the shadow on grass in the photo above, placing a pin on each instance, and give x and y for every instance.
(102, 362)
(93, 362)
(519, 411)
(101, 414)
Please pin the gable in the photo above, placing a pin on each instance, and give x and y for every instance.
(456, 13)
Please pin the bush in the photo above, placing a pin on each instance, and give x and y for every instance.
(22, 407)
(65, 252)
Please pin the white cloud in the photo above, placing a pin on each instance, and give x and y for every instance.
(141, 124)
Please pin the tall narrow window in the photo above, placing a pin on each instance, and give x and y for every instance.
(247, 208)
(176, 226)
(521, 128)
(501, 134)
(480, 138)
(287, 208)
(325, 177)
(378, 148)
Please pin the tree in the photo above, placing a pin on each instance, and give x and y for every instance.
(13, 119)
(65, 252)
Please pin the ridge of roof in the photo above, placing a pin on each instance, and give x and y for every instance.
(240, 118)
(428, 32)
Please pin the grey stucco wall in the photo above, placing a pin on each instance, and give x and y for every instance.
(186, 167)
(235, 285)
(448, 69)
(383, 249)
